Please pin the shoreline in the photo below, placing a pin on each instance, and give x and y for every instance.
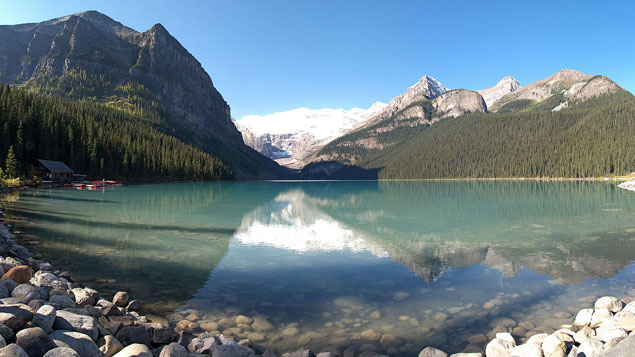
(606, 330)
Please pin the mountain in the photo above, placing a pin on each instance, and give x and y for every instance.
(91, 56)
(421, 105)
(505, 86)
(549, 128)
(291, 135)
(560, 90)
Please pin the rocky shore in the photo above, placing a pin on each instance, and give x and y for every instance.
(43, 312)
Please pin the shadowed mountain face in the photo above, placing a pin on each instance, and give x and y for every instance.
(91, 56)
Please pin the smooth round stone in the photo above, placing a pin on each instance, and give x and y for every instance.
(135, 350)
(375, 315)
(404, 318)
(186, 325)
(209, 326)
(488, 306)
(226, 323)
(477, 339)
(370, 335)
(339, 342)
(608, 302)
(440, 317)
(400, 295)
(261, 324)
(242, 319)
(388, 340)
(502, 321)
(304, 339)
(562, 315)
(290, 331)
(33, 341)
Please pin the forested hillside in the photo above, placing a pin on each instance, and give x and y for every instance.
(102, 140)
(591, 139)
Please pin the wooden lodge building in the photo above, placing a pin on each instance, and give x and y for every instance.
(53, 170)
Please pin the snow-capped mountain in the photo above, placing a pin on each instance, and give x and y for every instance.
(289, 136)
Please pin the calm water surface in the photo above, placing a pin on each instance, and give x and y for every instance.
(318, 263)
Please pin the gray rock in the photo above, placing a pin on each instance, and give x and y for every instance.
(79, 342)
(206, 345)
(49, 281)
(225, 340)
(34, 341)
(325, 354)
(7, 335)
(4, 292)
(134, 334)
(62, 352)
(432, 352)
(3, 343)
(268, 353)
(235, 350)
(9, 284)
(82, 297)
(173, 350)
(133, 305)
(45, 266)
(592, 347)
(12, 350)
(161, 334)
(45, 317)
(15, 316)
(68, 321)
(526, 350)
(135, 350)
(625, 348)
(64, 301)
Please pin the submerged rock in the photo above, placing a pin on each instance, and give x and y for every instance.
(232, 351)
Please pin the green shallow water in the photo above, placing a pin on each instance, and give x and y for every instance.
(430, 263)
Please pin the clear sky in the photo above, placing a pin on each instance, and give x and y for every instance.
(268, 56)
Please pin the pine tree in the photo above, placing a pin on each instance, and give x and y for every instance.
(12, 164)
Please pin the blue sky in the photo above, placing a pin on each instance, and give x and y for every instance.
(268, 56)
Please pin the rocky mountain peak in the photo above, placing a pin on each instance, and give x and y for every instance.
(505, 86)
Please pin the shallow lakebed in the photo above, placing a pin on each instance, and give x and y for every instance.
(389, 267)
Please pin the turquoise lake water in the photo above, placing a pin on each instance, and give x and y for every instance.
(430, 263)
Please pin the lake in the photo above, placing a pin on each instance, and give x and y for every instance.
(318, 264)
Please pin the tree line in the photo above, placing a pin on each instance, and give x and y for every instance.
(96, 139)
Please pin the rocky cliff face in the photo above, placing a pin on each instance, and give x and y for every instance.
(91, 55)
(563, 89)
(457, 102)
(426, 88)
(505, 86)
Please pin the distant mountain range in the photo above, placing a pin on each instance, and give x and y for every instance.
(376, 143)
(288, 137)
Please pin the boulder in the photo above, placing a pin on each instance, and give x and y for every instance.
(28, 293)
(109, 346)
(552, 346)
(82, 297)
(62, 352)
(4, 292)
(601, 316)
(120, 299)
(48, 281)
(527, 350)
(173, 350)
(232, 351)
(608, 302)
(501, 346)
(583, 318)
(7, 334)
(583, 334)
(21, 274)
(63, 301)
(592, 347)
(304, 352)
(15, 316)
(12, 350)
(432, 352)
(34, 341)
(370, 335)
(134, 305)
(135, 350)
(134, 334)
(9, 284)
(625, 348)
(73, 322)
(79, 342)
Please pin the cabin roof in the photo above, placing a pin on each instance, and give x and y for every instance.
(56, 167)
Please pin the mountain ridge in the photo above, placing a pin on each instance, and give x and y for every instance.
(89, 55)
